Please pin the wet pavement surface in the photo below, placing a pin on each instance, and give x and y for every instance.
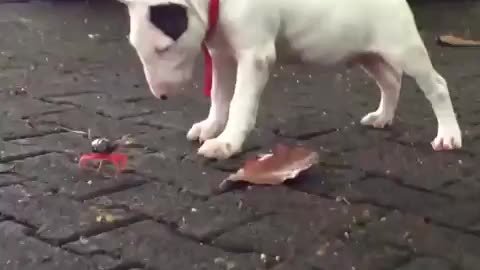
(379, 199)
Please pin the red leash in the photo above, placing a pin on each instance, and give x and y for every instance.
(213, 14)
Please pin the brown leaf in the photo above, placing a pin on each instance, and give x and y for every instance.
(282, 164)
(450, 40)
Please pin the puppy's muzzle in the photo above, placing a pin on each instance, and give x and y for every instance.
(164, 90)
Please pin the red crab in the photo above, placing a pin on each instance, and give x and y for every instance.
(104, 150)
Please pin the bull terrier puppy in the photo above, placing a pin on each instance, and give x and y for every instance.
(251, 35)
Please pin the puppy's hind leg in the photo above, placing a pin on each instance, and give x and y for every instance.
(389, 80)
(417, 64)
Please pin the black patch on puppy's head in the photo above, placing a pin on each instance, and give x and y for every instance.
(171, 19)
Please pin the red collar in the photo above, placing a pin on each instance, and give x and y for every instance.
(213, 15)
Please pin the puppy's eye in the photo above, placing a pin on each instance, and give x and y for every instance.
(161, 50)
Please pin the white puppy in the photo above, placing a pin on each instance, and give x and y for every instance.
(251, 35)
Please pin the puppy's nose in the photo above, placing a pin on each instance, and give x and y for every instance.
(160, 91)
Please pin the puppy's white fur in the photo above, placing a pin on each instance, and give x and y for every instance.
(380, 35)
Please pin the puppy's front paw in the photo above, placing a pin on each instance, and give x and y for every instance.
(204, 130)
(218, 149)
(377, 120)
(448, 139)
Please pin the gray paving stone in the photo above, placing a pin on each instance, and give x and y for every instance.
(18, 106)
(11, 129)
(10, 179)
(284, 232)
(416, 167)
(462, 189)
(158, 200)
(98, 125)
(427, 263)
(56, 218)
(412, 233)
(60, 142)
(102, 104)
(34, 254)
(210, 219)
(60, 174)
(155, 246)
(185, 174)
(347, 256)
(11, 152)
(387, 193)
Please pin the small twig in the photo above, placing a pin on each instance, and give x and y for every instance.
(88, 133)
(74, 131)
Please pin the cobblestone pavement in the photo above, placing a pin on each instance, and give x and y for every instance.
(380, 200)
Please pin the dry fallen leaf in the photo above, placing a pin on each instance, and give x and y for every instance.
(449, 40)
(282, 164)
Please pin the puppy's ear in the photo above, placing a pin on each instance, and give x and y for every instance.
(171, 19)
